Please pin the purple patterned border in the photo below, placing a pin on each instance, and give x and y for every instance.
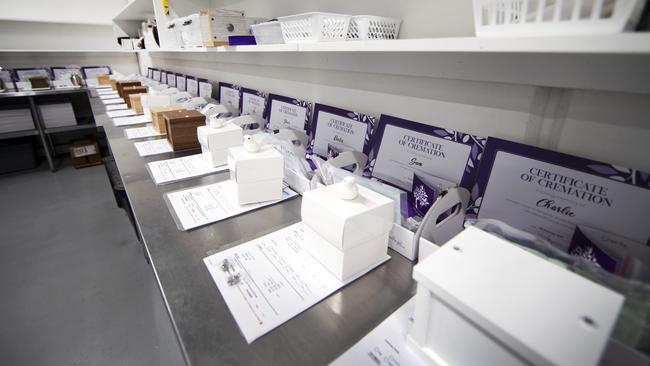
(299, 102)
(593, 167)
(476, 143)
(254, 92)
(360, 117)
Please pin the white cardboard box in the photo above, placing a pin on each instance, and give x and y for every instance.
(216, 141)
(345, 264)
(508, 306)
(346, 223)
(260, 191)
(266, 164)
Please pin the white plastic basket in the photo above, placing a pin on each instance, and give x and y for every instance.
(314, 27)
(268, 33)
(554, 17)
(365, 27)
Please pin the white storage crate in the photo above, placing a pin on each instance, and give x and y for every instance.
(554, 17)
(365, 27)
(314, 27)
(268, 33)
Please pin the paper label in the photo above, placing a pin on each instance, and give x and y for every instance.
(156, 75)
(82, 151)
(180, 82)
(192, 86)
(153, 147)
(141, 132)
(205, 88)
(253, 103)
(177, 169)
(345, 134)
(131, 120)
(229, 97)
(286, 115)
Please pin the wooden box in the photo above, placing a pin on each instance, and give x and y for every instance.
(120, 85)
(103, 80)
(136, 102)
(113, 84)
(39, 82)
(157, 116)
(129, 90)
(85, 154)
(181, 128)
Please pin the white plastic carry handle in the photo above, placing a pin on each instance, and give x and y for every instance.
(440, 232)
(291, 135)
(347, 158)
(250, 123)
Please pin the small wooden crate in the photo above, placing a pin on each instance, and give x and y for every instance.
(113, 84)
(130, 90)
(136, 102)
(85, 154)
(157, 119)
(103, 80)
(120, 85)
(181, 128)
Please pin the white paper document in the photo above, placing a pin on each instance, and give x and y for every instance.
(103, 87)
(113, 101)
(177, 169)
(204, 205)
(153, 147)
(277, 280)
(121, 113)
(131, 120)
(116, 107)
(141, 132)
(106, 92)
(108, 95)
(386, 345)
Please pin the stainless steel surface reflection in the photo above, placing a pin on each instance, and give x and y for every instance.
(206, 330)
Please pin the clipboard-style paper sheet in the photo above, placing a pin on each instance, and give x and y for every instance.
(277, 280)
(183, 168)
(141, 132)
(153, 147)
(131, 120)
(386, 345)
(211, 203)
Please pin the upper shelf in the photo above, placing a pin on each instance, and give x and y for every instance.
(135, 10)
(612, 63)
(65, 51)
(627, 43)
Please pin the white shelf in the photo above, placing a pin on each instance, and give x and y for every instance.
(632, 43)
(136, 10)
(612, 63)
(66, 51)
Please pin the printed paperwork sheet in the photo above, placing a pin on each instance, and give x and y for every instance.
(131, 120)
(101, 87)
(204, 205)
(113, 101)
(115, 107)
(108, 95)
(153, 147)
(121, 113)
(141, 132)
(177, 169)
(278, 279)
(386, 345)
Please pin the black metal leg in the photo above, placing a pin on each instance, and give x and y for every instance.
(38, 123)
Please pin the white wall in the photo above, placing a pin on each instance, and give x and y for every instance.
(61, 11)
(421, 18)
(126, 63)
(56, 36)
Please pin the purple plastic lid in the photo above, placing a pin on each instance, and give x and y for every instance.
(241, 40)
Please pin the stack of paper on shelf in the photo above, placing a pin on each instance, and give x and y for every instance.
(58, 115)
(15, 120)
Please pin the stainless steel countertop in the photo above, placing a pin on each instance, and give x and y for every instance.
(36, 93)
(207, 332)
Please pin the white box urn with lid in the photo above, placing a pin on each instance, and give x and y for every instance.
(257, 170)
(216, 138)
(346, 226)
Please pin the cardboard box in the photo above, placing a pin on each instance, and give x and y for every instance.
(129, 90)
(260, 191)
(85, 154)
(103, 80)
(136, 102)
(120, 85)
(157, 119)
(216, 141)
(346, 223)
(258, 174)
(345, 264)
(181, 128)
